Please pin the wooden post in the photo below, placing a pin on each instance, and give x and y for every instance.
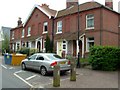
(73, 71)
(56, 76)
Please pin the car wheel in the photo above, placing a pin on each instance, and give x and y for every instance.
(43, 71)
(23, 66)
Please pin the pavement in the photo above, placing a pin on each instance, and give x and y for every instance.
(88, 78)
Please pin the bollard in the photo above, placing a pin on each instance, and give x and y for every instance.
(56, 76)
(73, 71)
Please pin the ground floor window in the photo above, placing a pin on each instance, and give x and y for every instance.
(89, 43)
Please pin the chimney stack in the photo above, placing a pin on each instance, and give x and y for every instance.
(45, 6)
(19, 21)
(70, 3)
(119, 6)
(109, 3)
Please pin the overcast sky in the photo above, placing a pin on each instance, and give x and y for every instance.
(10, 10)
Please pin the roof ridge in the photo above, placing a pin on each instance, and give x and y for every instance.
(49, 14)
(80, 5)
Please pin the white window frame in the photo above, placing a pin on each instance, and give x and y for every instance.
(13, 34)
(23, 33)
(59, 25)
(89, 19)
(45, 24)
(29, 31)
(87, 43)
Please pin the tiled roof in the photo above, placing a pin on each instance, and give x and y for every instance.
(20, 26)
(46, 10)
(67, 36)
(74, 9)
(49, 11)
(82, 7)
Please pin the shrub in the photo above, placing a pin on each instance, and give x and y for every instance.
(25, 51)
(104, 58)
(32, 51)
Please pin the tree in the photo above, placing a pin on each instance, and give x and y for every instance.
(48, 45)
(5, 43)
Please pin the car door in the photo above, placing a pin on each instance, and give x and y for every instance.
(38, 62)
(30, 61)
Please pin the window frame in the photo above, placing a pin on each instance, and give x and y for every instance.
(59, 25)
(39, 57)
(64, 44)
(45, 24)
(87, 43)
(13, 34)
(23, 33)
(29, 31)
(31, 57)
(90, 18)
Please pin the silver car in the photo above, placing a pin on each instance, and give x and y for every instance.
(45, 62)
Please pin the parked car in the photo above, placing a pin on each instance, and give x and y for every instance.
(45, 62)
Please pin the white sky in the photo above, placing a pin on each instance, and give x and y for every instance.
(10, 10)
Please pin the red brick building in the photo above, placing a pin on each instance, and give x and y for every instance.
(15, 36)
(96, 27)
(38, 24)
(99, 25)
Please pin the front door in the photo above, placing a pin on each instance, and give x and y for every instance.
(74, 48)
(38, 46)
(59, 48)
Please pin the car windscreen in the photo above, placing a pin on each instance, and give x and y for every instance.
(54, 57)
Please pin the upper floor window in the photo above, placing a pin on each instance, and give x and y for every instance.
(45, 27)
(12, 34)
(29, 31)
(59, 27)
(23, 31)
(89, 43)
(90, 21)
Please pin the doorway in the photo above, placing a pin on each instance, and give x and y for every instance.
(38, 46)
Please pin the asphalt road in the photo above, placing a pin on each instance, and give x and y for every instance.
(8, 79)
(14, 77)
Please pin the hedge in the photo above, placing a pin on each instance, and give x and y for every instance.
(24, 51)
(28, 51)
(104, 58)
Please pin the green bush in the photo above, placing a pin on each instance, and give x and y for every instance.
(25, 51)
(104, 58)
(32, 51)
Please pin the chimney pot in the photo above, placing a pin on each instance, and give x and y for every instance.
(45, 5)
(19, 21)
(109, 3)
